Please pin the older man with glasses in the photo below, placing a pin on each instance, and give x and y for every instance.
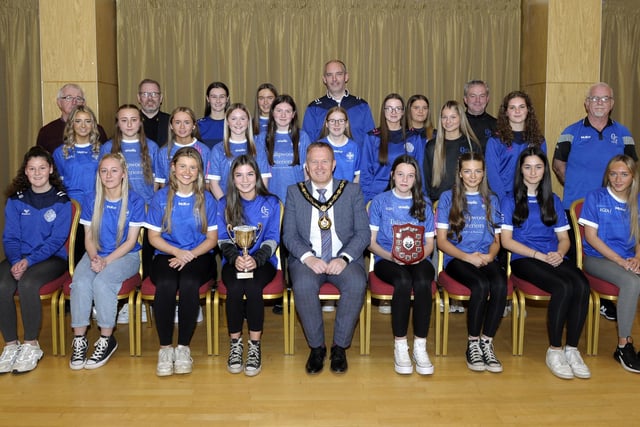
(155, 122)
(51, 135)
(583, 151)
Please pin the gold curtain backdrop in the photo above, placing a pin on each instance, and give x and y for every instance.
(620, 60)
(430, 47)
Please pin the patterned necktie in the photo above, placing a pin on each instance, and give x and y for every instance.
(325, 235)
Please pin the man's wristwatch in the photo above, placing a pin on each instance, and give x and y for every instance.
(345, 259)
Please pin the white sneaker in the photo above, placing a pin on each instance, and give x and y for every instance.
(200, 315)
(123, 315)
(401, 359)
(27, 359)
(507, 310)
(384, 307)
(558, 365)
(165, 362)
(183, 363)
(8, 357)
(578, 367)
(421, 358)
(329, 306)
(456, 307)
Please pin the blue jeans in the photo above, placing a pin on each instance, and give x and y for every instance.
(101, 289)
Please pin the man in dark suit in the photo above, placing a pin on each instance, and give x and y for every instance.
(155, 122)
(326, 233)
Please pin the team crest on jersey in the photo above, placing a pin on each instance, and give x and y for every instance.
(410, 147)
(50, 215)
(264, 211)
(614, 138)
(350, 155)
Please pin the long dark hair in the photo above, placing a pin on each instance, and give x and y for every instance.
(427, 125)
(272, 127)
(256, 108)
(145, 158)
(418, 205)
(544, 193)
(383, 129)
(532, 133)
(234, 211)
(21, 183)
(459, 209)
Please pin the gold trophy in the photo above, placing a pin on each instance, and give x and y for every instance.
(244, 236)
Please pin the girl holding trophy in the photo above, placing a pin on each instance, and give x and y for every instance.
(248, 218)
(403, 211)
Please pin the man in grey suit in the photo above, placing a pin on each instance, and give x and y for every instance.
(326, 232)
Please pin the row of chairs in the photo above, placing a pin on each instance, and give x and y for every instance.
(137, 292)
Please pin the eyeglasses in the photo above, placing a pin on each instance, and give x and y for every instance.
(596, 99)
(70, 98)
(394, 109)
(334, 121)
(153, 95)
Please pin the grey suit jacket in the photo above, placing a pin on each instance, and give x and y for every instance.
(349, 219)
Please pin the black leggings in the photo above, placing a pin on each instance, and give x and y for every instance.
(569, 291)
(168, 282)
(488, 285)
(252, 289)
(404, 279)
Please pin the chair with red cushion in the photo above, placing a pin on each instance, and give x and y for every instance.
(383, 291)
(600, 289)
(147, 293)
(452, 289)
(127, 291)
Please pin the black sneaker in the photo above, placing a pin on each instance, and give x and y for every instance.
(475, 359)
(234, 363)
(104, 348)
(254, 359)
(608, 310)
(79, 352)
(627, 358)
(277, 309)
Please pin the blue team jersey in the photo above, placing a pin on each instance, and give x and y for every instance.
(263, 210)
(374, 177)
(133, 155)
(587, 154)
(110, 215)
(211, 131)
(283, 174)
(360, 117)
(220, 165)
(163, 159)
(186, 229)
(347, 159)
(78, 171)
(36, 226)
(533, 232)
(502, 162)
(263, 123)
(477, 235)
(610, 216)
(387, 210)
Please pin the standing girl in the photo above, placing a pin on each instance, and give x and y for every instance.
(337, 133)
(112, 218)
(419, 119)
(34, 246)
(535, 230)
(183, 132)
(286, 146)
(248, 202)
(612, 246)
(468, 223)
(517, 128)
(182, 227)
(402, 205)
(212, 124)
(454, 137)
(265, 94)
(238, 140)
(384, 144)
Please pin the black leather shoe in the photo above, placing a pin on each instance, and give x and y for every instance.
(315, 362)
(338, 359)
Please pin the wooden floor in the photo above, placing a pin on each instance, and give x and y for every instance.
(127, 392)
